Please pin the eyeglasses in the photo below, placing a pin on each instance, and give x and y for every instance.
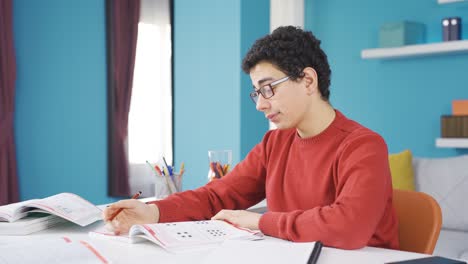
(267, 90)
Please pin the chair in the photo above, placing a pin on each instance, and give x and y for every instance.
(420, 220)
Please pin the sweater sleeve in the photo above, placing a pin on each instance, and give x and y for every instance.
(362, 192)
(241, 188)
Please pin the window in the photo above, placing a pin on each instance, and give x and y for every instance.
(150, 117)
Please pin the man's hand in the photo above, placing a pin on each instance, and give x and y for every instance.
(240, 218)
(134, 212)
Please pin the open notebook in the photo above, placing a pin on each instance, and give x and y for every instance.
(23, 217)
(182, 236)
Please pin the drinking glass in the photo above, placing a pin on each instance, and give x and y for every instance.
(219, 163)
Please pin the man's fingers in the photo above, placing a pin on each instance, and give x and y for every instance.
(222, 215)
(123, 204)
(121, 227)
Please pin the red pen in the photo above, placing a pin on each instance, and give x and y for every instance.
(120, 209)
(158, 170)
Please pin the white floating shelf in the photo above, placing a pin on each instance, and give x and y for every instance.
(449, 1)
(452, 142)
(457, 46)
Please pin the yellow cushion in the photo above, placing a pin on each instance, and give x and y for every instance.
(401, 168)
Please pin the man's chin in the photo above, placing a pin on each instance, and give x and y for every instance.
(281, 126)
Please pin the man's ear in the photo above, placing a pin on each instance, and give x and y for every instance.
(311, 80)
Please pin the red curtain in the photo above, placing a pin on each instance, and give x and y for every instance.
(8, 175)
(125, 15)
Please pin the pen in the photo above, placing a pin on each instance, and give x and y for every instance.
(182, 167)
(314, 255)
(153, 169)
(158, 170)
(168, 168)
(120, 209)
(179, 177)
(182, 170)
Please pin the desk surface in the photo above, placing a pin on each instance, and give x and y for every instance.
(147, 252)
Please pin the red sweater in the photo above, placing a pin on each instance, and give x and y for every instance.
(334, 187)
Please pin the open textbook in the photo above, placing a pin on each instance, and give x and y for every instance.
(182, 236)
(68, 206)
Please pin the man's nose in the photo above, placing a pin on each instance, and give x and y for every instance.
(262, 103)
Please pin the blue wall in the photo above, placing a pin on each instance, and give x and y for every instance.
(60, 120)
(255, 23)
(402, 99)
(211, 106)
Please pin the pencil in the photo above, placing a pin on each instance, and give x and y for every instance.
(218, 167)
(120, 209)
(226, 169)
(214, 170)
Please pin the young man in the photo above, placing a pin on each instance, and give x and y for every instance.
(325, 177)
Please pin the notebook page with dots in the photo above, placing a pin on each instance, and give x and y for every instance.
(182, 236)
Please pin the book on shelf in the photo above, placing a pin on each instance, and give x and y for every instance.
(182, 236)
(67, 206)
(454, 126)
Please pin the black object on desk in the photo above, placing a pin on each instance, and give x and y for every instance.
(429, 260)
(314, 255)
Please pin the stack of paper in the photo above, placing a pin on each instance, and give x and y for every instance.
(32, 223)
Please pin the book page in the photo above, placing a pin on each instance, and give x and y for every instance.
(103, 233)
(69, 206)
(180, 236)
(14, 211)
(39, 251)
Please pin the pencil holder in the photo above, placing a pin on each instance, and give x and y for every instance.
(167, 185)
(219, 163)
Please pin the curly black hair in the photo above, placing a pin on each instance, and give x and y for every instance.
(291, 49)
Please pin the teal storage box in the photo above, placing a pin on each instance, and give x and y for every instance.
(401, 33)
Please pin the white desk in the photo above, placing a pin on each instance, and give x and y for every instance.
(148, 252)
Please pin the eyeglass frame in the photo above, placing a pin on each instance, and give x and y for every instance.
(254, 95)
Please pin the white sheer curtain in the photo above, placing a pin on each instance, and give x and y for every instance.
(150, 117)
